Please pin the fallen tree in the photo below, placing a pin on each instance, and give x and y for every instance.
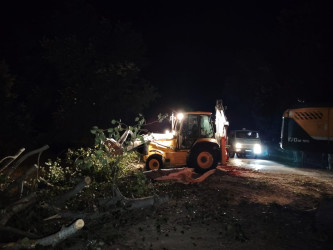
(48, 197)
(82, 187)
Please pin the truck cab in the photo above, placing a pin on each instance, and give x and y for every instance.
(244, 142)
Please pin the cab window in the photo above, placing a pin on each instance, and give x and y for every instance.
(206, 126)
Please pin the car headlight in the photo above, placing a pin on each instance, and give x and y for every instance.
(257, 149)
(238, 145)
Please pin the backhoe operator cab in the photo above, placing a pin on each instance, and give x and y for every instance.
(191, 142)
(244, 142)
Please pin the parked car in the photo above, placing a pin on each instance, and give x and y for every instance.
(244, 143)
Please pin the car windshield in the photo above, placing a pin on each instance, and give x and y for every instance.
(247, 134)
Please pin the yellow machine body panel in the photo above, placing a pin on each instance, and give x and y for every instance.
(160, 147)
(308, 129)
(315, 121)
(166, 148)
(177, 158)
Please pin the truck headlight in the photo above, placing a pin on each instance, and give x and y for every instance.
(238, 145)
(257, 148)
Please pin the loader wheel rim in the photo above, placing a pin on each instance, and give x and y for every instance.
(154, 164)
(205, 160)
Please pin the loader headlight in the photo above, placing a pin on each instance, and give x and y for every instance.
(180, 116)
(238, 145)
(257, 148)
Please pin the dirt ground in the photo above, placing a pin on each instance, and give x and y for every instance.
(235, 208)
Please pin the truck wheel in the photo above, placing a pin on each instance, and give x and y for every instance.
(231, 154)
(203, 158)
(154, 162)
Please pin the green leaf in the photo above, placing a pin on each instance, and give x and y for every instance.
(141, 138)
(94, 130)
(137, 119)
(99, 152)
(110, 130)
(113, 121)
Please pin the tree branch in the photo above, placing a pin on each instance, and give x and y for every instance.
(18, 232)
(13, 159)
(24, 157)
(20, 181)
(18, 206)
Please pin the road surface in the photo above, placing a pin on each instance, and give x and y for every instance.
(278, 168)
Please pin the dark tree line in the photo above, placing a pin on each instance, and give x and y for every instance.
(70, 70)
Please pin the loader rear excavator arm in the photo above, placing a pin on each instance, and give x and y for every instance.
(221, 124)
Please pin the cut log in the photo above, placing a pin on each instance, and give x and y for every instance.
(60, 200)
(130, 204)
(50, 240)
(142, 203)
(63, 234)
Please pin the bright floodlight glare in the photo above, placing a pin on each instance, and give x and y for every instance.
(238, 145)
(257, 149)
(180, 116)
(167, 131)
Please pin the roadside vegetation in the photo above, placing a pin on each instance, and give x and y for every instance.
(87, 185)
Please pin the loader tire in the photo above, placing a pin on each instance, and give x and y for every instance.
(154, 162)
(203, 158)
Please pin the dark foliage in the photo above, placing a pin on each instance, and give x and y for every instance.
(76, 70)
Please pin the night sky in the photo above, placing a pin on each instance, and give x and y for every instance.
(260, 57)
(195, 47)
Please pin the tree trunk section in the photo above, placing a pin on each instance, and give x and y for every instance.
(63, 234)
(60, 200)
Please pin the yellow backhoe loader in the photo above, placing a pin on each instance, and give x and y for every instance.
(192, 141)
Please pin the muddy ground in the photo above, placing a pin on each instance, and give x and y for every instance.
(235, 208)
